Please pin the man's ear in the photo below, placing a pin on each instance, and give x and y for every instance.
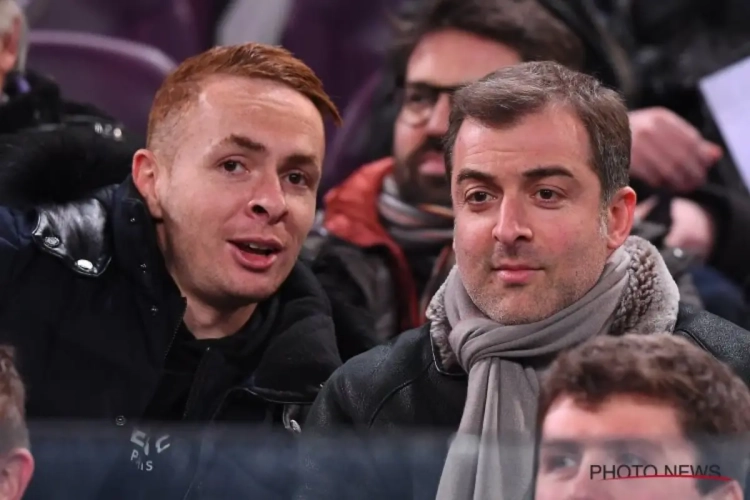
(620, 215)
(146, 172)
(17, 467)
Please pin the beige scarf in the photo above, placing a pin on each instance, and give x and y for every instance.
(503, 389)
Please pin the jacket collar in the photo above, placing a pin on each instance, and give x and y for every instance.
(443, 366)
(351, 211)
(137, 252)
(302, 353)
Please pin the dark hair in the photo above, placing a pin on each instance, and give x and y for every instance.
(523, 25)
(709, 398)
(13, 431)
(504, 97)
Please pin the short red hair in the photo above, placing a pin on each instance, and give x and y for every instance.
(252, 60)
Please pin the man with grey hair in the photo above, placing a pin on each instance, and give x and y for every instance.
(36, 122)
(31, 101)
(14, 41)
(538, 157)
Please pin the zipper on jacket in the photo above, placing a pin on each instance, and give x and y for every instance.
(176, 329)
(196, 382)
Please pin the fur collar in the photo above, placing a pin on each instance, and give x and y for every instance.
(59, 166)
(649, 303)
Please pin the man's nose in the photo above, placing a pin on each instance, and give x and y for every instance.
(512, 224)
(437, 125)
(268, 199)
(587, 486)
(583, 487)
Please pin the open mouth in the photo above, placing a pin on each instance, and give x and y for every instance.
(257, 249)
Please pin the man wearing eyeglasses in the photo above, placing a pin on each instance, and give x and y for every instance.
(384, 242)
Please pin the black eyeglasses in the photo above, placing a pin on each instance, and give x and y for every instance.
(418, 101)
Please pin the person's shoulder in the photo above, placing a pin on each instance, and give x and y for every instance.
(375, 374)
(728, 342)
(63, 182)
(703, 323)
(54, 167)
(78, 232)
(398, 357)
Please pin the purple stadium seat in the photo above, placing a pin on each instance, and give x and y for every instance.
(118, 76)
(330, 35)
(172, 26)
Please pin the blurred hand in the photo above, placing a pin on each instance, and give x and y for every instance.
(669, 152)
(692, 229)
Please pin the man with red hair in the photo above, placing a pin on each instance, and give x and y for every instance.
(176, 296)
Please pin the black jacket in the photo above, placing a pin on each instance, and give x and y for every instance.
(86, 301)
(404, 386)
(404, 382)
(32, 101)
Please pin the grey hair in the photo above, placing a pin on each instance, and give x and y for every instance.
(9, 12)
(510, 94)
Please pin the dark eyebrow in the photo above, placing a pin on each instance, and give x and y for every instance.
(470, 174)
(300, 160)
(296, 160)
(615, 445)
(548, 171)
(566, 445)
(628, 444)
(423, 85)
(244, 142)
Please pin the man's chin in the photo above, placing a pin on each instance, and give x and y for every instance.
(516, 312)
(257, 294)
(240, 295)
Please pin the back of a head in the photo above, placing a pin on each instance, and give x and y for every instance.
(251, 60)
(665, 367)
(508, 95)
(711, 402)
(523, 25)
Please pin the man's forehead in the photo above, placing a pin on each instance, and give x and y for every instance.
(261, 101)
(453, 57)
(249, 107)
(540, 133)
(620, 416)
(236, 95)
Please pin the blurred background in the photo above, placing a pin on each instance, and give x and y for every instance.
(94, 48)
